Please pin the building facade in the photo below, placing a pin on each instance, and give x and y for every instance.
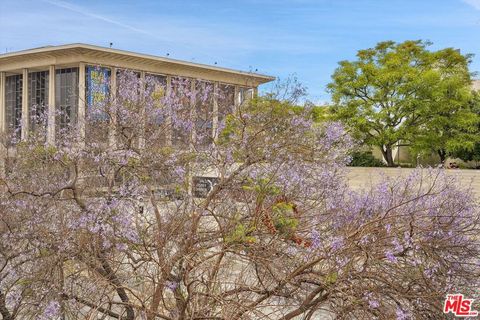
(476, 85)
(59, 79)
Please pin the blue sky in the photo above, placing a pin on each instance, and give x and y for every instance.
(277, 37)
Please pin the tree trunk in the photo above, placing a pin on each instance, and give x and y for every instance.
(6, 315)
(109, 273)
(443, 156)
(387, 153)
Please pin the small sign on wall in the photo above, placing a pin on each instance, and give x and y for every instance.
(203, 185)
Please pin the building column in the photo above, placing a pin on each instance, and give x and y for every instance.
(2, 103)
(191, 143)
(168, 124)
(141, 137)
(25, 116)
(81, 103)
(112, 132)
(3, 146)
(193, 113)
(236, 98)
(51, 106)
(215, 112)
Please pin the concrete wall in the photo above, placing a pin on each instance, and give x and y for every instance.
(400, 154)
(403, 156)
(476, 85)
(362, 177)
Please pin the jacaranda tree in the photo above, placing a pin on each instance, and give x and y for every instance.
(113, 225)
(404, 93)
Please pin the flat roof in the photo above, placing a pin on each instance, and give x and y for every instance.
(261, 78)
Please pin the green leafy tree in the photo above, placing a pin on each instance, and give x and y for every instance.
(321, 113)
(470, 150)
(469, 154)
(395, 91)
(453, 130)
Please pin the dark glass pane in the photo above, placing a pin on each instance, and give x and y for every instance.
(13, 104)
(181, 105)
(156, 126)
(66, 98)
(204, 112)
(226, 101)
(38, 100)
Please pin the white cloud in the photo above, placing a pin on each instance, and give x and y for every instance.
(189, 37)
(196, 36)
(78, 9)
(473, 3)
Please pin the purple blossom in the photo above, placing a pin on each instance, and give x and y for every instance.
(172, 285)
(402, 315)
(430, 272)
(398, 247)
(390, 256)
(301, 122)
(372, 302)
(180, 171)
(364, 240)
(121, 246)
(51, 311)
(315, 238)
(337, 243)
(351, 233)
(388, 227)
(13, 298)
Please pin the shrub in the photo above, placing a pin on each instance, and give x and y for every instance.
(365, 159)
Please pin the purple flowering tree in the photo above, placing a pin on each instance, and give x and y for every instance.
(113, 224)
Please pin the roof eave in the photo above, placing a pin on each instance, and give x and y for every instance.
(261, 78)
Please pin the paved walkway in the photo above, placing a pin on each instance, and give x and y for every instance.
(362, 177)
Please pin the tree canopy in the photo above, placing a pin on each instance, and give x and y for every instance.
(113, 226)
(403, 93)
(469, 150)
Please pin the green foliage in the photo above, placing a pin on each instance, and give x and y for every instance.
(229, 130)
(257, 107)
(467, 144)
(321, 113)
(263, 187)
(365, 159)
(468, 155)
(240, 235)
(42, 151)
(453, 130)
(403, 92)
(284, 222)
(331, 278)
(259, 128)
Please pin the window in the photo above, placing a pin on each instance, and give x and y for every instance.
(156, 129)
(181, 111)
(98, 87)
(226, 101)
(158, 84)
(37, 99)
(66, 97)
(13, 104)
(204, 111)
(125, 80)
(97, 97)
(244, 94)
